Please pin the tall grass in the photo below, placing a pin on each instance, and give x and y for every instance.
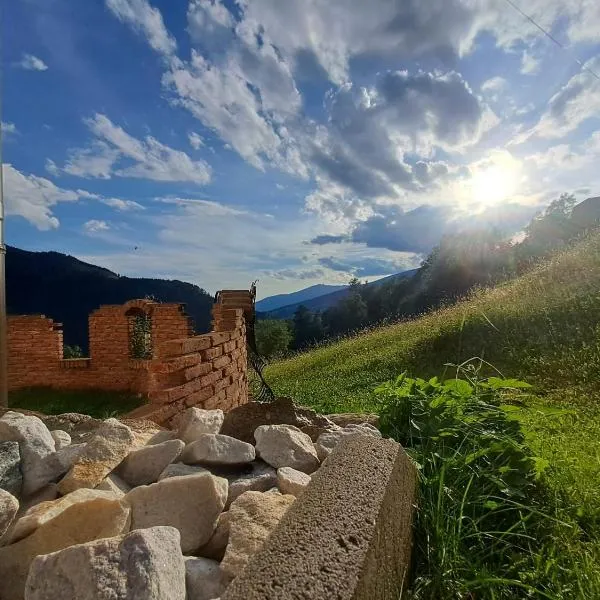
(544, 328)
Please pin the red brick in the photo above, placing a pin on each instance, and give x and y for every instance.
(212, 353)
(200, 396)
(186, 345)
(175, 364)
(219, 337)
(197, 371)
(221, 362)
(211, 378)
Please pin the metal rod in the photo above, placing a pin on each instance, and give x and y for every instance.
(3, 319)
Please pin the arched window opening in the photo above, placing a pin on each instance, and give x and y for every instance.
(140, 333)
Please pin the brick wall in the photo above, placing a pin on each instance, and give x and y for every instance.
(183, 370)
(209, 371)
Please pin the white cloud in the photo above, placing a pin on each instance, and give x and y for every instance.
(95, 226)
(207, 15)
(147, 21)
(122, 205)
(52, 167)
(530, 64)
(32, 63)
(146, 159)
(33, 197)
(195, 140)
(209, 208)
(576, 102)
(495, 84)
(8, 128)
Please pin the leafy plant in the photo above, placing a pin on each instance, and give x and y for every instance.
(481, 525)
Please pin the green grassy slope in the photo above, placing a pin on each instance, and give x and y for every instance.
(543, 327)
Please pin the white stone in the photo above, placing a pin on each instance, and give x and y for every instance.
(291, 481)
(61, 438)
(40, 471)
(180, 470)
(286, 446)
(11, 478)
(197, 421)
(192, 504)
(258, 476)
(28, 429)
(216, 449)
(252, 518)
(146, 564)
(75, 523)
(162, 436)
(203, 578)
(215, 547)
(107, 447)
(113, 483)
(327, 441)
(144, 465)
(9, 506)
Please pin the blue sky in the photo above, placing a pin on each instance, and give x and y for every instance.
(295, 142)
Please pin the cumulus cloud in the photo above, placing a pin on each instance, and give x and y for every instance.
(30, 62)
(576, 102)
(147, 21)
(145, 159)
(364, 266)
(530, 64)
(122, 205)
(95, 226)
(33, 197)
(195, 140)
(8, 128)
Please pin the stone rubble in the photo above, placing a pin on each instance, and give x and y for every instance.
(94, 509)
(291, 481)
(286, 446)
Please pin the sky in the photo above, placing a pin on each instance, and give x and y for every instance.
(295, 142)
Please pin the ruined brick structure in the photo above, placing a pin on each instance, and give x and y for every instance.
(167, 363)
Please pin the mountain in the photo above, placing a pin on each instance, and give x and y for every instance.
(280, 300)
(68, 290)
(321, 303)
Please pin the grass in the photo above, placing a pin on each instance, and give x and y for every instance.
(96, 403)
(543, 328)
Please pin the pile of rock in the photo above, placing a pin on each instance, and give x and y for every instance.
(115, 510)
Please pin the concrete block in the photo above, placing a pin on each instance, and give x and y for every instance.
(348, 536)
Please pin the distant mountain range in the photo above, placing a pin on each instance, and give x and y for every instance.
(312, 302)
(281, 300)
(68, 290)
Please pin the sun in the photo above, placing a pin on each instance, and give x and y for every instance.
(494, 180)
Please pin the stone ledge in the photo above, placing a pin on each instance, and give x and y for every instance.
(348, 536)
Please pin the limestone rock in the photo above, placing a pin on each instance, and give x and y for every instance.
(9, 506)
(113, 483)
(215, 547)
(75, 523)
(197, 421)
(29, 430)
(291, 481)
(286, 446)
(203, 578)
(61, 438)
(328, 441)
(79, 427)
(242, 421)
(144, 466)
(216, 449)
(344, 419)
(109, 445)
(161, 436)
(144, 565)
(253, 516)
(191, 504)
(39, 472)
(11, 479)
(46, 494)
(44, 512)
(257, 476)
(180, 470)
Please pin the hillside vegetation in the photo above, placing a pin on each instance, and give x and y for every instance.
(543, 328)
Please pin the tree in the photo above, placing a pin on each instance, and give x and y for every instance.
(307, 327)
(273, 337)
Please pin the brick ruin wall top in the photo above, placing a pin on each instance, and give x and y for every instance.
(171, 366)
